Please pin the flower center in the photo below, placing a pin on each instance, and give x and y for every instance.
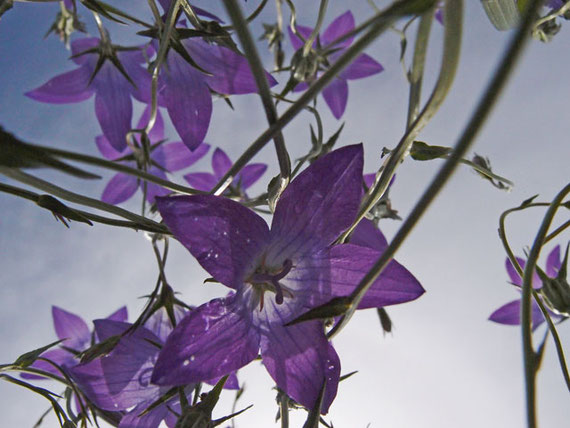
(267, 278)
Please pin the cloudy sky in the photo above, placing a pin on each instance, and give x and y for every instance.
(444, 365)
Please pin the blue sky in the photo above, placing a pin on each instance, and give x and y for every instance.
(444, 365)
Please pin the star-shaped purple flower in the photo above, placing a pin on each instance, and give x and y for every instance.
(185, 90)
(169, 157)
(510, 313)
(121, 380)
(76, 336)
(113, 91)
(336, 93)
(277, 274)
(221, 164)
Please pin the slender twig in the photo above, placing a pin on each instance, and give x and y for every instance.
(313, 36)
(557, 232)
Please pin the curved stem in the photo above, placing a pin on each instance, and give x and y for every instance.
(313, 36)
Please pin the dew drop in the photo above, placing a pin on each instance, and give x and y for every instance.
(192, 358)
(216, 255)
(225, 233)
(186, 362)
(248, 240)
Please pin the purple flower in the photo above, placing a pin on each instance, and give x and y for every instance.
(120, 381)
(277, 275)
(510, 313)
(185, 90)
(113, 91)
(164, 158)
(221, 164)
(336, 93)
(76, 336)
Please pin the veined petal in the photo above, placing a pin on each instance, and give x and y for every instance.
(61, 357)
(299, 359)
(510, 314)
(119, 189)
(203, 181)
(250, 174)
(113, 105)
(221, 163)
(79, 46)
(223, 235)
(159, 323)
(516, 279)
(296, 42)
(318, 205)
(362, 66)
(70, 87)
(339, 27)
(336, 96)
(131, 61)
(366, 234)
(176, 156)
(553, 262)
(120, 314)
(152, 419)
(188, 101)
(70, 327)
(211, 341)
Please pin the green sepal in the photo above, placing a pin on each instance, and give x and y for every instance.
(61, 211)
(27, 359)
(421, 151)
(503, 14)
(334, 307)
(100, 349)
(314, 415)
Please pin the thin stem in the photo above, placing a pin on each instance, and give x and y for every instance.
(466, 139)
(284, 410)
(240, 25)
(313, 36)
(526, 318)
(381, 22)
(557, 232)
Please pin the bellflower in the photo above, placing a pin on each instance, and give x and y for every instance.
(510, 313)
(164, 158)
(76, 336)
(113, 91)
(120, 381)
(336, 93)
(185, 90)
(221, 164)
(277, 274)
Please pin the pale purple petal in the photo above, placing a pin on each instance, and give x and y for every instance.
(339, 27)
(250, 174)
(368, 235)
(176, 156)
(153, 190)
(296, 42)
(212, 340)
(70, 327)
(107, 150)
(301, 86)
(336, 96)
(203, 181)
(151, 419)
(362, 66)
(79, 46)
(113, 105)
(120, 314)
(157, 132)
(188, 101)
(299, 359)
(318, 205)
(553, 262)
(61, 357)
(439, 15)
(70, 87)
(516, 279)
(221, 163)
(224, 236)
(119, 189)
(159, 323)
(510, 314)
(138, 74)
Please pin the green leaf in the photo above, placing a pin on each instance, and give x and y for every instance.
(529, 200)
(100, 349)
(29, 358)
(334, 307)
(421, 151)
(503, 14)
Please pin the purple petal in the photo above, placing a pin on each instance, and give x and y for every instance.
(159, 323)
(71, 327)
(510, 314)
(70, 87)
(176, 156)
(107, 150)
(249, 175)
(79, 46)
(157, 132)
(153, 190)
(368, 235)
(299, 359)
(151, 419)
(113, 105)
(223, 235)
(318, 205)
(119, 315)
(231, 73)
(439, 15)
(516, 279)
(59, 356)
(212, 340)
(188, 101)
(339, 27)
(119, 189)
(362, 66)
(553, 262)
(296, 42)
(221, 163)
(139, 75)
(336, 96)
(203, 181)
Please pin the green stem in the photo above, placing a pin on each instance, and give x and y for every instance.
(258, 71)
(466, 139)
(558, 231)
(313, 36)
(528, 350)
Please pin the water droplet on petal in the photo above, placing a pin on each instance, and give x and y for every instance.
(186, 362)
(192, 358)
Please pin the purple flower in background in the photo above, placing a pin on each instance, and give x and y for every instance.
(277, 274)
(185, 90)
(164, 158)
(510, 313)
(221, 164)
(113, 92)
(336, 93)
(76, 336)
(121, 380)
